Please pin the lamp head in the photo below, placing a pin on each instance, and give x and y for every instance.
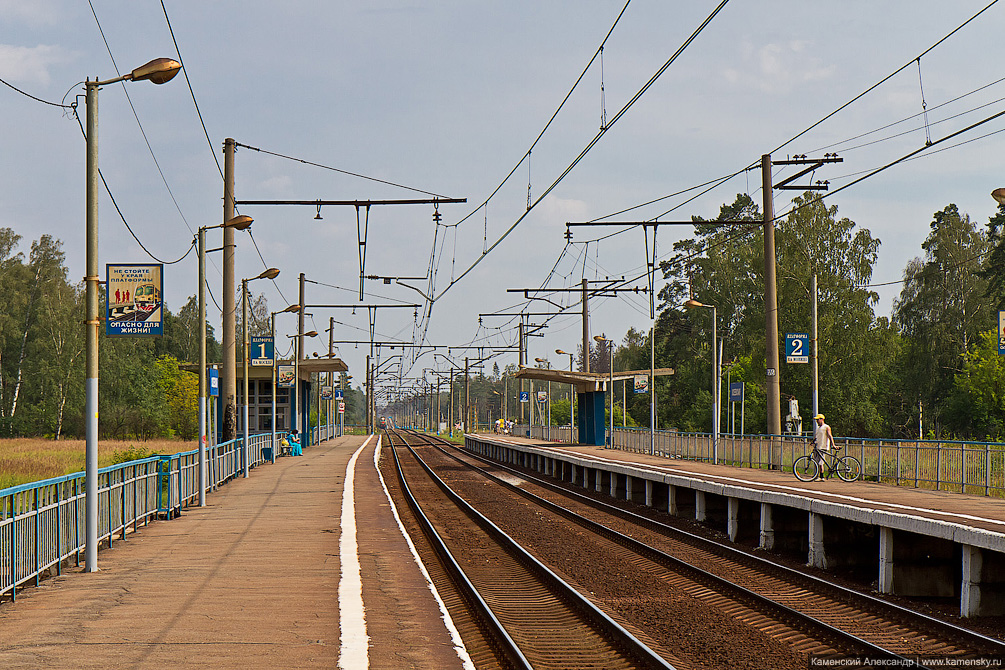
(693, 303)
(563, 353)
(292, 308)
(600, 338)
(999, 195)
(271, 273)
(159, 71)
(242, 222)
(311, 333)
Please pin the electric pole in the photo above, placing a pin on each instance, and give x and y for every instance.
(228, 384)
(773, 381)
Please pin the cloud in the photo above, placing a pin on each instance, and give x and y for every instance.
(277, 185)
(778, 68)
(36, 12)
(555, 212)
(30, 65)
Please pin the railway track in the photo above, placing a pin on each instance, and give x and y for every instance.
(811, 616)
(528, 615)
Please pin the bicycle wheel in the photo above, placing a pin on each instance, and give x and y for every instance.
(848, 468)
(805, 469)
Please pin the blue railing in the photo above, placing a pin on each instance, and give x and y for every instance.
(42, 524)
(976, 468)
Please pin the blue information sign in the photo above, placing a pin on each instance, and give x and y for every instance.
(736, 391)
(261, 352)
(338, 393)
(524, 396)
(214, 382)
(797, 348)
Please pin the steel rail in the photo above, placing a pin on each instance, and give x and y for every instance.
(813, 582)
(714, 581)
(505, 644)
(630, 644)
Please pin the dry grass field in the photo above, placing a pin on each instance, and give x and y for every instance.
(24, 460)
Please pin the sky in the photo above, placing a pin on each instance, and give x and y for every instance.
(389, 99)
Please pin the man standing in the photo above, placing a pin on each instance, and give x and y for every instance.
(823, 439)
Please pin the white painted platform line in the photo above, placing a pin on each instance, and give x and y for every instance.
(455, 636)
(354, 651)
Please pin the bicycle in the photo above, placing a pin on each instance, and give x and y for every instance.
(806, 468)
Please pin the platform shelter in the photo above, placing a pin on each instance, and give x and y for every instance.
(291, 401)
(590, 389)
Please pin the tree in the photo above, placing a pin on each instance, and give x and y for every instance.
(179, 390)
(11, 273)
(600, 354)
(993, 270)
(814, 240)
(976, 407)
(941, 310)
(725, 268)
(58, 353)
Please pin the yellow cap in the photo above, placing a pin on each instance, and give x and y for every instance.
(819, 416)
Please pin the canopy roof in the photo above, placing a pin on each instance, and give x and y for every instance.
(584, 381)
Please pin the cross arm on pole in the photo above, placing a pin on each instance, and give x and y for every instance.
(354, 203)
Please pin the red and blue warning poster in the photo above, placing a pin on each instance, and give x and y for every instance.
(135, 306)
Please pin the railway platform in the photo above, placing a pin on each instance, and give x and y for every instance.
(300, 565)
(907, 541)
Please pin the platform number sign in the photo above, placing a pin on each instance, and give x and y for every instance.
(261, 351)
(524, 396)
(797, 348)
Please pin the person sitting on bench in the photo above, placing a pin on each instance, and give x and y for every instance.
(294, 439)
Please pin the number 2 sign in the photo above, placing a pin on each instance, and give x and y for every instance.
(797, 348)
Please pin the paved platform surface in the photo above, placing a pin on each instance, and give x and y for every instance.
(252, 580)
(981, 512)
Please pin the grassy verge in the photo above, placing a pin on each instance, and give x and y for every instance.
(24, 460)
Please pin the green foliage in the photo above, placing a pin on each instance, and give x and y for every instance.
(721, 268)
(941, 312)
(561, 412)
(976, 406)
(133, 453)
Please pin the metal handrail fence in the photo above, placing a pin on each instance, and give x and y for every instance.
(976, 468)
(42, 523)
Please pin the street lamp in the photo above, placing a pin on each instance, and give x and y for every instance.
(610, 348)
(238, 223)
(716, 375)
(271, 273)
(272, 316)
(158, 71)
(572, 400)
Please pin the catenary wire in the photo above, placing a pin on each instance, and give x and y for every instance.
(139, 123)
(191, 91)
(589, 146)
(883, 80)
(339, 170)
